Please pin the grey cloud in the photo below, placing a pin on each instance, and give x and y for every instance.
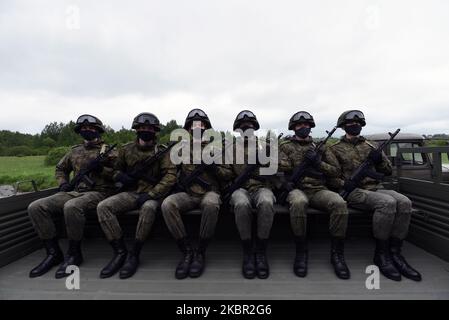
(274, 57)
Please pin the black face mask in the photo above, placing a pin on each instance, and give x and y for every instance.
(245, 128)
(146, 135)
(303, 132)
(353, 130)
(89, 135)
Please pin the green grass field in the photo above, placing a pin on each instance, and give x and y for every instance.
(13, 169)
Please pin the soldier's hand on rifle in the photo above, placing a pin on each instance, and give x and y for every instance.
(95, 166)
(289, 186)
(313, 158)
(211, 167)
(349, 185)
(142, 198)
(65, 187)
(124, 179)
(375, 156)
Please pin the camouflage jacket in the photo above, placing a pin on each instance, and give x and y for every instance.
(78, 158)
(215, 176)
(350, 155)
(158, 180)
(255, 181)
(292, 153)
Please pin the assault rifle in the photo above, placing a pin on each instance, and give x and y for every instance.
(195, 176)
(139, 169)
(242, 177)
(366, 169)
(303, 169)
(83, 174)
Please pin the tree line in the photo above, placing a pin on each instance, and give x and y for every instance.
(57, 135)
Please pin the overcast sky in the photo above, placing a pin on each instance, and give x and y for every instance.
(115, 59)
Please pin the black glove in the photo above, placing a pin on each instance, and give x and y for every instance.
(124, 179)
(375, 156)
(95, 166)
(313, 158)
(65, 187)
(212, 168)
(289, 186)
(142, 198)
(349, 185)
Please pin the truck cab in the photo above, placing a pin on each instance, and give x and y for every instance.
(418, 165)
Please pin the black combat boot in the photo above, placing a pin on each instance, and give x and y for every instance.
(183, 267)
(132, 262)
(120, 252)
(338, 258)
(382, 259)
(53, 258)
(73, 257)
(248, 266)
(262, 267)
(302, 252)
(399, 261)
(198, 262)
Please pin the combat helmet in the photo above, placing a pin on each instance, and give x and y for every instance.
(351, 115)
(197, 115)
(245, 116)
(87, 119)
(146, 118)
(301, 117)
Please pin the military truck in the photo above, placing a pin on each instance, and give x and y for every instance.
(419, 173)
(418, 164)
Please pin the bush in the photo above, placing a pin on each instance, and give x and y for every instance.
(54, 155)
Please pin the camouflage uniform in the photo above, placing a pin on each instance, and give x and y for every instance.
(157, 182)
(206, 198)
(256, 191)
(312, 190)
(392, 210)
(76, 203)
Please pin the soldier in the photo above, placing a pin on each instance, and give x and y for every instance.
(143, 191)
(256, 190)
(312, 191)
(73, 200)
(202, 193)
(392, 210)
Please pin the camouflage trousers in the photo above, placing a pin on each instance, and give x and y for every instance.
(392, 211)
(325, 200)
(73, 205)
(120, 203)
(174, 205)
(242, 203)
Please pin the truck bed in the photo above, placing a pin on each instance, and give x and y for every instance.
(222, 278)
